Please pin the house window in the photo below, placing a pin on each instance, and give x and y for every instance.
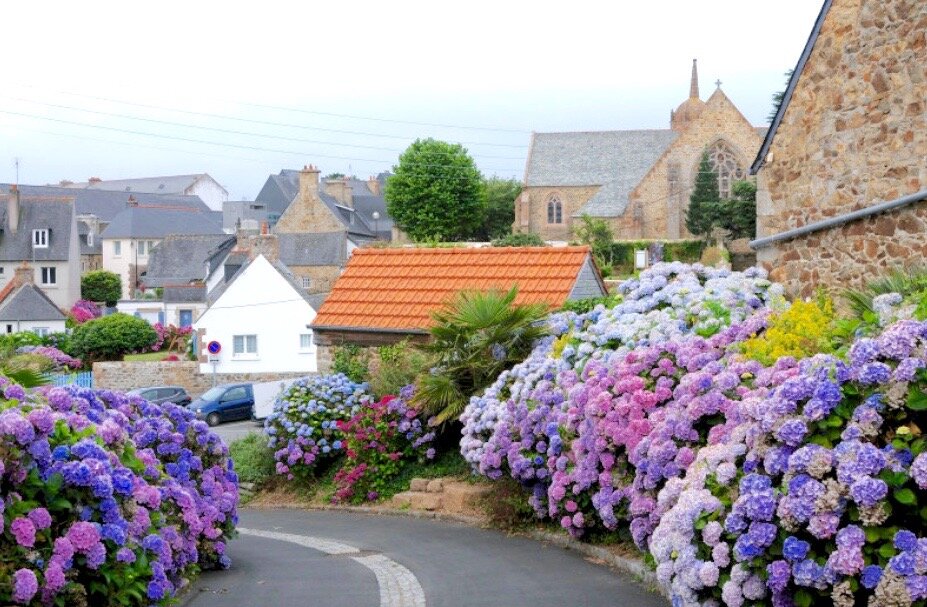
(244, 346)
(9, 328)
(141, 247)
(49, 276)
(90, 239)
(306, 282)
(40, 239)
(1, 271)
(554, 209)
(305, 341)
(725, 164)
(117, 248)
(40, 331)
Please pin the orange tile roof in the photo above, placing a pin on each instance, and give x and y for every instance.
(398, 289)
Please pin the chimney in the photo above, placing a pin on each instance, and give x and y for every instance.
(94, 180)
(340, 191)
(308, 181)
(373, 185)
(132, 202)
(13, 208)
(23, 275)
(265, 228)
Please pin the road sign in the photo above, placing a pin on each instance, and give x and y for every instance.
(214, 347)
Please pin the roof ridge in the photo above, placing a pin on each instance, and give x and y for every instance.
(591, 132)
(461, 250)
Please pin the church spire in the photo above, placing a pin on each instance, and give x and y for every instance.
(693, 87)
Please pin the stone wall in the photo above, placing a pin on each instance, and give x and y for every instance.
(322, 278)
(124, 376)
(854, 134)
(534, 200)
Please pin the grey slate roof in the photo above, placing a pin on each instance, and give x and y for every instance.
(616, 159)
(182, 258)
(185, 294)
(106, 204)
(326, 249)
(55, 216)
(158, 221)
(85, 249)
(29, 302)
(168, 184)
(245, 210)
(279, 191)
(312, 300)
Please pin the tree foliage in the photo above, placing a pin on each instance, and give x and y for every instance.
(436, 192)
(111, 337)
(500, 208)
(738, 215)
(472, 342)
(101, 286)
(778, 97)
(520, 239)
(702, 214)
(594, 231)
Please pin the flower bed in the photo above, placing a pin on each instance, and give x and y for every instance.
(107, 499)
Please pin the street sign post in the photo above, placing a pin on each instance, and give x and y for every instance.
(214, 348)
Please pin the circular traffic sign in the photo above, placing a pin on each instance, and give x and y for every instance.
(214, 347)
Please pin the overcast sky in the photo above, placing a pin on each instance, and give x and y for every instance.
(129, 89)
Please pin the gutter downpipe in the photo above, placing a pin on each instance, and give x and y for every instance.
(840, 220)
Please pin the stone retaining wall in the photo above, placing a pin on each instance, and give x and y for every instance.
(123, 376)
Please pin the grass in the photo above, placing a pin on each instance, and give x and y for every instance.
(148, 356)
(254, 461)
(448, 463)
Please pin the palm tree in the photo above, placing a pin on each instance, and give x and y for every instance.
(906, 282)
(477, 337)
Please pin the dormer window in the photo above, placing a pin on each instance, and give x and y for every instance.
(40, 239)
(89, 239)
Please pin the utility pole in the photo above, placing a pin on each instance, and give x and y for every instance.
(16, 163)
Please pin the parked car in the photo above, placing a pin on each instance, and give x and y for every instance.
(164, 394)
(225, 403)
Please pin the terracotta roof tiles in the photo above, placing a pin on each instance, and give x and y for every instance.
(399, 289)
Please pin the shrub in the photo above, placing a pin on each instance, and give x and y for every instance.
(519, 239)
(352, 362)
(101, 286)
(254, 460)
(303, 426)
(507, 506)
(581, 306)
(171, 338)
(803, 330)
(111, 337)
(378, 438)
(107, 500)
(84, 310)
(57, 360)
(398, 365)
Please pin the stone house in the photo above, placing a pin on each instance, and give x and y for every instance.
(387, 295)
(202, 185)
(842, 173)
(42, 231)
(639, 181)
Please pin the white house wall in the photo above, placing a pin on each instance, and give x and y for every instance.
(21, 326)
(209, 192)
(260, 302)
(122, 263)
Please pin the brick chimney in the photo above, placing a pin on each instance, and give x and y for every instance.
(308, 213)
(13, 209)
(373, 185)
(23, 275)
(132, 202)
(308, 180)
(340, 191)
(94, 180)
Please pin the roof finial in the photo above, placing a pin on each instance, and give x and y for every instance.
(693, 88)
(718, 83)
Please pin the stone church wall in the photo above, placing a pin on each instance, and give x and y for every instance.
(853, 135)
(573, 198)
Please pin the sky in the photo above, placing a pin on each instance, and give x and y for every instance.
(129, 89)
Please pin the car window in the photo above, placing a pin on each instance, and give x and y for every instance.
(237, 393)
(167, 393)
(213, 393)
(149, 394)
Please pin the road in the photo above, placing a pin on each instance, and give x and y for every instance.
(232, 431)
(302, 558)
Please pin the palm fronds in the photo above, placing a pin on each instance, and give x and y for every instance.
(905, 281)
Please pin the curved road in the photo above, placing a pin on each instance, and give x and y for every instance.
(294, 558)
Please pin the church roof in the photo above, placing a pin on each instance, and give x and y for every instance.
(617, 160)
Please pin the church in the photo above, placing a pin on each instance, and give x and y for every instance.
(639, 181)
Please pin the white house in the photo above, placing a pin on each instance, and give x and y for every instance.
(25, 307)
(260, 318)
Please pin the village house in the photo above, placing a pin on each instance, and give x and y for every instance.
(41, 231)
(639, 181)
(842, 173)
(388, 295)
(200, 184)
(25, 307)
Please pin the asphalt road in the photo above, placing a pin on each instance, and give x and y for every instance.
(232, 431)
(401, 562)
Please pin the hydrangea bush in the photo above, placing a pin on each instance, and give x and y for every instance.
(303, 427)
(107, 499)
(59, 359)
(377, 439)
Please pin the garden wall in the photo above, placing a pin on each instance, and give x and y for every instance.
(123, 376)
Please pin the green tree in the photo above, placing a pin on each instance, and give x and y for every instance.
(436, 192)
(778, 97)
(520, 239)
(738, 215)
(472, 342)
(704, 202)
(101, 286)
(111, 337)
(594, 231)
(500, 208)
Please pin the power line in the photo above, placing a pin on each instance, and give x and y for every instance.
(269, 122)
(213, 143)
(228, 131)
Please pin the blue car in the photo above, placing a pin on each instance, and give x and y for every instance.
(226, 403)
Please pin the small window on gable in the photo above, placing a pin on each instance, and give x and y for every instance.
(40, 239)
(306, 282)
(554, 209)
(117, 248)
(305, 341)
(89, 239)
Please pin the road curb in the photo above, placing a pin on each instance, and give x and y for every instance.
(634, 568)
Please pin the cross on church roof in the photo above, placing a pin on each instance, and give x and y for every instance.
(718, 83)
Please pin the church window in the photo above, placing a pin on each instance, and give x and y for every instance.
(724, 162)
(554, 210)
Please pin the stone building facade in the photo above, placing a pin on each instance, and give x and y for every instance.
(639, 181)
(850, 136)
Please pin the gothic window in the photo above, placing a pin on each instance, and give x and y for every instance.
(554, 209)
(724, 162)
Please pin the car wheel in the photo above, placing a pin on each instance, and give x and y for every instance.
(212, 419)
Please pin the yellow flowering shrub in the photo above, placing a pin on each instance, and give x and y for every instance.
(806, 328)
